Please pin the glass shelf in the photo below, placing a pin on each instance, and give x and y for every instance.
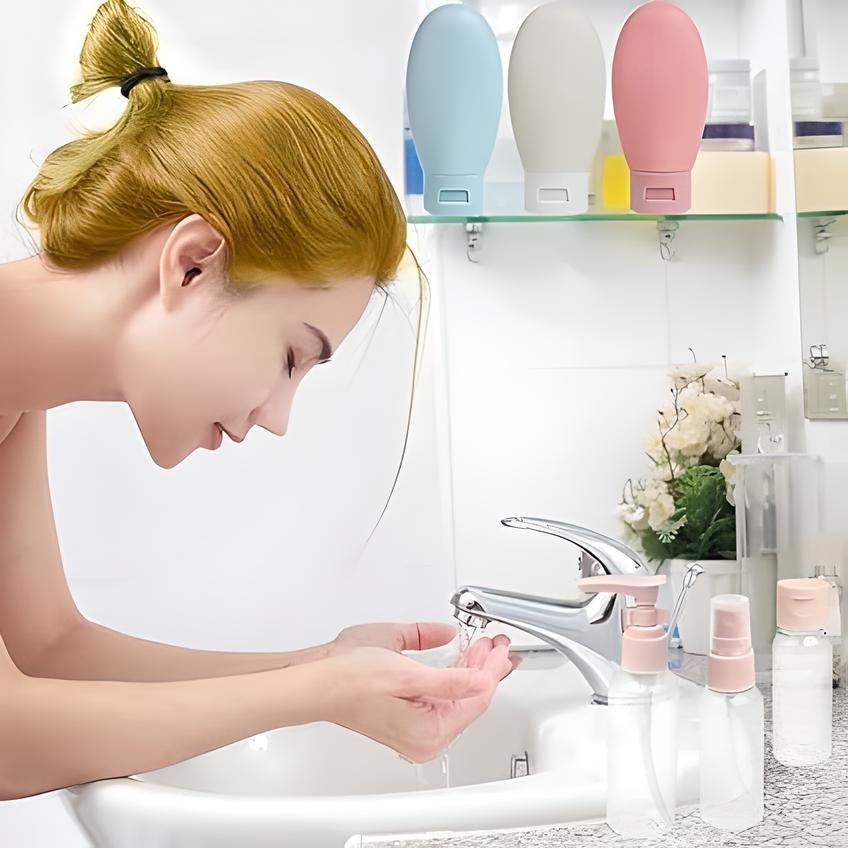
(623, 216)
(834, 213)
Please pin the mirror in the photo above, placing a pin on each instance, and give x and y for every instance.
(819, 97)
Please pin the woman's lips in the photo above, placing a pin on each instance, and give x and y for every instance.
(218, 437)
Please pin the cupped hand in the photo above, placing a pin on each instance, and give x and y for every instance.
(415, 636)
(412, 708)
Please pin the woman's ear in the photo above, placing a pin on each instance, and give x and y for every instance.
(193, 256)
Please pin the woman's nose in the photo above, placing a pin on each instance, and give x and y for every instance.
(274, 414)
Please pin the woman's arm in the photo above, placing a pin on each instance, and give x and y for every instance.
(44, 631)
(91, 651)
(58, 733)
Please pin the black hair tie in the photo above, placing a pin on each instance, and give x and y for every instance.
(136, 77)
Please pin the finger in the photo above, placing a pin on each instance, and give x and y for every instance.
(431, 634)
(501, 639)
(497, 662)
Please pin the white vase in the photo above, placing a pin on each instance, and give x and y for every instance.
(720, 577)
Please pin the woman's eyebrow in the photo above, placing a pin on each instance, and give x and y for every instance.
(325, 343)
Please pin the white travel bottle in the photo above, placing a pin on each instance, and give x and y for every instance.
(802, 662)
(555, 86)
(642, 714)
(731, 721)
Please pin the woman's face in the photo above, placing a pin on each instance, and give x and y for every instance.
(199, 364)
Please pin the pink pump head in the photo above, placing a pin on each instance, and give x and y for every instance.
(730, 667)
(659, 95)
(644, 643)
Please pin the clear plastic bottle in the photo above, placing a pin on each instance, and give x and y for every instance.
(731, 726)
(802, 662)
(642, 714)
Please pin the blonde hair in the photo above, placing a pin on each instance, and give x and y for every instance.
(289, 182)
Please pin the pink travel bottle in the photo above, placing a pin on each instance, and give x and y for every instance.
(731, 723)
(659, 95)
(642, 713)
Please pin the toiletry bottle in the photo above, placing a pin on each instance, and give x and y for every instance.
(556, 86)
(833, 624)
(642, 713)
(454, 90)
(659, 95)
(731, 721)
(802, 661)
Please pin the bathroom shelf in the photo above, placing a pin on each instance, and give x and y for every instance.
(834, 213)
(624, 216)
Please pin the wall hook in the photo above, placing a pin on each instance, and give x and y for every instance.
(666, 231)
(473, 234)
(822, 234)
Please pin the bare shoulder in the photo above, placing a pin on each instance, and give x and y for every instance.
(8, 423)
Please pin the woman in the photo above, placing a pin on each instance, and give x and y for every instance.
(197, 259)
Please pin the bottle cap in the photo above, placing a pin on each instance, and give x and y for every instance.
(730, 667)
(802, 603)
(644, 643)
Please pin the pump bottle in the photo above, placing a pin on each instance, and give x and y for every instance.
(642, 713)
(802, 673)
(731, 721)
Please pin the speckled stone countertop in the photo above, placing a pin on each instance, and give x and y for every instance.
(804, 808)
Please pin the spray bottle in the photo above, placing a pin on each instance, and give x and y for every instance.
(642, 713)
(731, 721)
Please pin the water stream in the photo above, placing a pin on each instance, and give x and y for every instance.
(435, 774)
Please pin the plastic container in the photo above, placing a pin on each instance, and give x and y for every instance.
(659, 94)
(557, 84)
(805, 88)
(731, 726)
(735, 138)
(802, 673)
(642, 714)
(454, 90)
(729, 91)
(817, 134)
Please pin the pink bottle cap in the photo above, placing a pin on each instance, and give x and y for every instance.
(730, 667)
(802, 603)
(644, 643)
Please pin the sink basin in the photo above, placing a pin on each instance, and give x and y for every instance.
(317, 785)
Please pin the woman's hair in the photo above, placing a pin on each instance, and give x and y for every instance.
(289, 182)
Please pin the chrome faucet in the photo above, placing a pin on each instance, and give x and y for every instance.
(587, 631)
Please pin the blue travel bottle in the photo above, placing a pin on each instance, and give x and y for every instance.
(454, 90)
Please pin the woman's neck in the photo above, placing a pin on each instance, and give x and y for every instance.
(58, 335)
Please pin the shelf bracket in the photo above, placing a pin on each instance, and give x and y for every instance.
(666, 231)
(473, 234)
(822, 234)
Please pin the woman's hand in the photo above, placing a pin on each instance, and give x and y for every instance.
(412, 708)
(414, 636)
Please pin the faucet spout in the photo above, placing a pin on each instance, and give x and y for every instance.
(477, 606)
(587, 631)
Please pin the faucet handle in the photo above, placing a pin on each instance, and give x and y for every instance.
(614, 556)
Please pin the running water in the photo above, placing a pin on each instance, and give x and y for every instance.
(435, 774)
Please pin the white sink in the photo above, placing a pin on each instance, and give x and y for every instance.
(316, 785)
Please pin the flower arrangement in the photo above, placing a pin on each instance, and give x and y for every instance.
(685, 508)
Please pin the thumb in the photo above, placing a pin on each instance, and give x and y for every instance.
(453, 683)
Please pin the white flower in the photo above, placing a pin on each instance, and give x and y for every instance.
(633, 515)
(690, 436)
(728, 469)
(682, 375)
(661, 509)
(724, 383)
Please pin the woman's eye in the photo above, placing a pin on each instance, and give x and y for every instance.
(290, 362)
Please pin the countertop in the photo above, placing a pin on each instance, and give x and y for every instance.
(804, 808)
